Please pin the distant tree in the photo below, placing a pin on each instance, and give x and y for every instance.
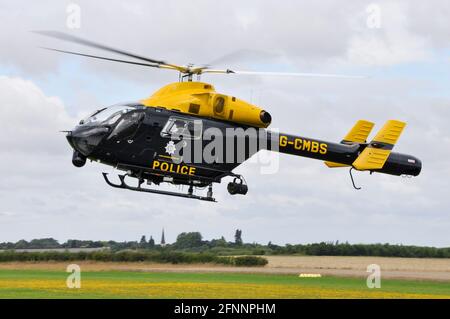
(143, 242)
(189, 240)
(218, 242)
(74, 243)
(151, 242)
(21, 244)
(71, 243)
(238, 237)
(44, 243)
(222, 242)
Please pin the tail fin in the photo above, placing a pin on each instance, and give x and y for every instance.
(358, 134)
(377, 152)
(390, 133)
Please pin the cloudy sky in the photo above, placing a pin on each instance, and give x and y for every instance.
(406, 53)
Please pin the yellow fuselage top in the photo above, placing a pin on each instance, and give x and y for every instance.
(201, 99)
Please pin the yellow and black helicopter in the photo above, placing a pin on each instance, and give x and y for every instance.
(163, 138)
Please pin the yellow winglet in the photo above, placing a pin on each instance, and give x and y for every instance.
(359, 132)
(377, 152)
(390, 132)
(334, 165)
(371, 158)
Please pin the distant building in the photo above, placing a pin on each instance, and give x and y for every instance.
(163, 239)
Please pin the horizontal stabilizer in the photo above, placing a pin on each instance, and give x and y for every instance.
(377, 152)
(371, 158)
(334, 165)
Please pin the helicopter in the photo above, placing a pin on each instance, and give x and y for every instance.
(164, 138)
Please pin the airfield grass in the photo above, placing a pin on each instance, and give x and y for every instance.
(126, 284)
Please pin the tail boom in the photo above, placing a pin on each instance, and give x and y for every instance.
(345, 154)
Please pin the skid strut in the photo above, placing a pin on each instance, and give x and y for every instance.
(124, 185)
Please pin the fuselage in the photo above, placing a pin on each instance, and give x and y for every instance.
(165, 145)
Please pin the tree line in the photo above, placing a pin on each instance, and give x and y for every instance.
(172, 257)
(193, 242)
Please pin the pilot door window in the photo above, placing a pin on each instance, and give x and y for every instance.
(178, 128)
(128, 125)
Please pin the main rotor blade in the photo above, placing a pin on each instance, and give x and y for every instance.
(74, 39)
(321, 75)
(103, 58)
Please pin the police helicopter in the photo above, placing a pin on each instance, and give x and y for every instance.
(162, 138)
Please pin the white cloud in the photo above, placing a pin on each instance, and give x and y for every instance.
(31, 119)
(392, 43)
(308, 34)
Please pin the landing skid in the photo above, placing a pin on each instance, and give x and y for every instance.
(124, 185)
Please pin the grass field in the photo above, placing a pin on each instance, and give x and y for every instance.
(32, 283)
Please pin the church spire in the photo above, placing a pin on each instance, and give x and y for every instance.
(163, 239)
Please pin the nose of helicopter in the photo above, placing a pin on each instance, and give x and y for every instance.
(84, 141)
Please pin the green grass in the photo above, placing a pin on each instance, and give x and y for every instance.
(123, 284)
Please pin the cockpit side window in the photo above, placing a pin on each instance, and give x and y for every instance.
(128, 125)
(182, 128)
